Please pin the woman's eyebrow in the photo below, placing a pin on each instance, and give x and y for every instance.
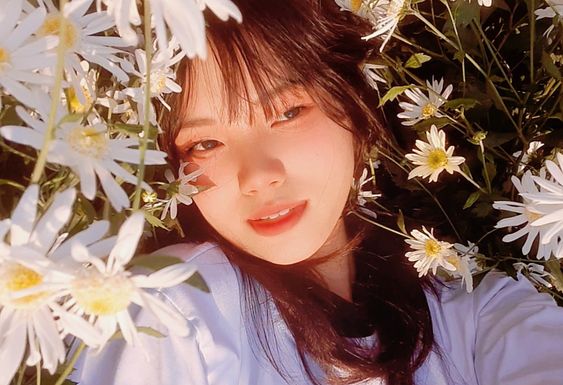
(290, 85)
(198, 122)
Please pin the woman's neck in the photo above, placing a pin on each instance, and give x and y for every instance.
(337, 272)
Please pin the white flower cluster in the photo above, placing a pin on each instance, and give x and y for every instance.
(82, 39)
(76, 78)
(430, 253)
(51, 287)
(540, 214)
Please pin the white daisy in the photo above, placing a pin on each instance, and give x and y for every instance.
(20, 54)
(388, 14)
(485, 3)
(105, 290)
(162, 78)
(82, 96)
(425, 106)
(81, 37)
(529, 155)
(184, 18)
(535, 273)
(88, 150)
(432, 158)
(370, 71)
(527, 212)
(465, 263)
(554, 10)
(362, 8)
(430, 253)
(179, 190)
(364, 196)
(551, 199)
(30, 285)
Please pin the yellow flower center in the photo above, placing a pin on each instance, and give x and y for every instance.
(158, 82)
(88, 141)
(356, 5)
(68, 35)
(532, 215)
(454, 260)
(432, 248)
(102, 296)
(396, 8)
(75, 105)
(4, 57)
(437, 158)
(15, 277)
(149, 197)
(428, 111)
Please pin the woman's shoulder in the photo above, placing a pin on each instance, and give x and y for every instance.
(503, 332)
(220, 277)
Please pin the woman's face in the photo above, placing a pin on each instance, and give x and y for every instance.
(277, 186)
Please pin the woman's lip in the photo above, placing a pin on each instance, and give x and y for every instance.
(274, 209)
(278, 226)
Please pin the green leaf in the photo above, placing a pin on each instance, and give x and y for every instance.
(459, 56)
(491, 169)
(141, 329)
(197, 281)
(417, 60)
(154, 261)
(554, 267)
(495, 139)
(154, 221)
(401, 222)
(393, 93)
(466, 103)
(465, 12)
(497, 79)
(471, 199)
(425, 124)
(549, 66)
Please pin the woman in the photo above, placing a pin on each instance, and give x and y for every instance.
(278, 118)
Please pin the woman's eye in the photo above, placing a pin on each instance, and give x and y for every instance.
(204, 146)
(290, 114)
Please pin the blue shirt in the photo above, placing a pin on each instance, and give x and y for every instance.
(503, 333)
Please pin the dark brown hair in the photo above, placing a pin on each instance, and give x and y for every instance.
(315, 45)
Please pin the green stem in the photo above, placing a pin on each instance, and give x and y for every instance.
(20, 374)
(478, 67)
(485, 170)
(470, 180)
(70, 364)
(494, 54)
(446, 3)
(146, 123)
(428, 192)
(379, 224)
(38, 374)
(57, 90)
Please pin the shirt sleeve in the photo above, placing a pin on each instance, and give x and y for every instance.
(519, 334)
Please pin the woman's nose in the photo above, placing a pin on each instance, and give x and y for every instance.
(259, 172)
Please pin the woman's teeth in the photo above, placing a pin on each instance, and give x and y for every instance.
(274, 216)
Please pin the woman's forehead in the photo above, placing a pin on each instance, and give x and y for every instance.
(213, 97)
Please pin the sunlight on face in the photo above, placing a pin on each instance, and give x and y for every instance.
(277, 186)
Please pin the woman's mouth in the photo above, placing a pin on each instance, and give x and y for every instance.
(279, 221)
